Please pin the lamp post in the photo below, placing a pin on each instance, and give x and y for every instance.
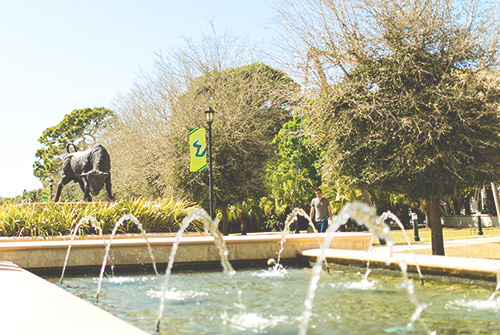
(51, 184)
(209, 117)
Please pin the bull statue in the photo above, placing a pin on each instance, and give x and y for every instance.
(90, 169)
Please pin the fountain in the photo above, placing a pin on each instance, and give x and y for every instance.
(346, 303)
(389, 215)
(73, 233)
(286, 230)
(108, 248)
(211, 226)
(363, 215)
(241, 318)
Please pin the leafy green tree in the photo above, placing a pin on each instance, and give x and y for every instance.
(252, 103)
(81, 127)
(413, 107)
(140, 141)
(294, 173)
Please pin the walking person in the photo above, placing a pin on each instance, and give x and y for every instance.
(320, 207)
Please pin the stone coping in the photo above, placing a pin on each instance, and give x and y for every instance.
(443, 266)
(51, 253)
(138, 240)
(92, 237)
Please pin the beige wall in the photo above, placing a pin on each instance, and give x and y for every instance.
(51, 254)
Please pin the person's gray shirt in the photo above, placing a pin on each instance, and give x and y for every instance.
(320, 209)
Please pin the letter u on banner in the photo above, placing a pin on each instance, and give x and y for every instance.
(197, 149)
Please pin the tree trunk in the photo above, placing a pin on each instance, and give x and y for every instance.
(243, 222)
(426, 208)
(467, 203)
(368, 200)
(494, 190)
(457, 205)
(436, 226)
(404, 217)
(225, 221)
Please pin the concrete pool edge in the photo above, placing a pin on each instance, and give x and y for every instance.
(131, 251)
(32, 305)
(444, 267)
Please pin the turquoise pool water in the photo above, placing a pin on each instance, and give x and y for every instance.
(272, 303)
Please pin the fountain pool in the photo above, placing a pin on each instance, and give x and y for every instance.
(272, 303)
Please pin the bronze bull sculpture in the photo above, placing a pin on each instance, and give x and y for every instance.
(90, 169)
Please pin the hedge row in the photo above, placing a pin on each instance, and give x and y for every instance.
(58, 219)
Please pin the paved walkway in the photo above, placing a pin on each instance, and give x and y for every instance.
(451, 267)
(453, 243)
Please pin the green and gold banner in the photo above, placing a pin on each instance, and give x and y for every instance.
(198, 149)
(46, 195)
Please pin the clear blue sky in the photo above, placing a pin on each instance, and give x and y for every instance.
(61, 55)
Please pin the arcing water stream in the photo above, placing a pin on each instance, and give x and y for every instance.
(363, 215)
(108, 248)
(359, 212)
(211, 226)
(74, 232)
(286, 230)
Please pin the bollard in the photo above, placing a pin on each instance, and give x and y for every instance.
(479, 226)
(414, 218)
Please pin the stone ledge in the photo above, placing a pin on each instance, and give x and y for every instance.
(31, 305)
(133, 251)
(471, 268)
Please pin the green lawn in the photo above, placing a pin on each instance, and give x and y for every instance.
(448, 235)
(489, 251)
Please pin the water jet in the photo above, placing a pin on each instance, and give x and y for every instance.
(198, 293)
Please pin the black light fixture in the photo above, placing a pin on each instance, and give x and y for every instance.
(209, 117)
